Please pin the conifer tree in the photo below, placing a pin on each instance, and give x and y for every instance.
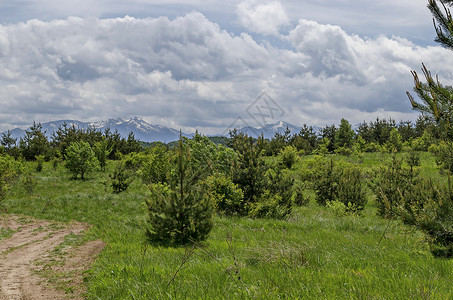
(179, 212)
(434, 215)
(437, 99)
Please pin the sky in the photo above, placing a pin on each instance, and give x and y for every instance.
(213, 65)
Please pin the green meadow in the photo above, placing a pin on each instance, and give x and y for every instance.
(315, 253)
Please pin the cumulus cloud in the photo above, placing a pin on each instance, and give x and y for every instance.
(266, 19)
(189, 72)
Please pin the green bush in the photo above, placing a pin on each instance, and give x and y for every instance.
(271, 206)
(226, 196)
(29, 182)
(345, 151)
(395, 141)
(288, 157)
(80, 159)
(9, 169)
(39, 163)
(443, 152)
(325, 181)
(102, 151)
(249, 168)
(298, 198)
(120, 178)
(134, 161)
(55, 163)
(430, 208)
(179, 212)
(339, 182)
(155, 167)
(389, 183)
(350, 189)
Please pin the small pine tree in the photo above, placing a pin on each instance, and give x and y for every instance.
(179, 212)
(40, 163)
(121, 178)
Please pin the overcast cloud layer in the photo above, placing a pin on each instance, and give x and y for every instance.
(191, 72)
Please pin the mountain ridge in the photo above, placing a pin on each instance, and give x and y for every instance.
(146, 132)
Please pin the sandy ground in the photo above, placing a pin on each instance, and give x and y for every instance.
(28, 252)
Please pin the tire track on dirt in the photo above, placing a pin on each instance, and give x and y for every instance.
(31, 242)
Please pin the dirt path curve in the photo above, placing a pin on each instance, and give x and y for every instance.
(30, 241)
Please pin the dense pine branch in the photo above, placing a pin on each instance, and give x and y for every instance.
(443, 22)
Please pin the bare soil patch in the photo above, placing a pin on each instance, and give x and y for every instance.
(39, 261)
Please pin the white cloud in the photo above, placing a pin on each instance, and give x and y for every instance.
(266, 19)
(192, 73)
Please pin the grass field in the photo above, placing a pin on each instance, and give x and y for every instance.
(315, 254)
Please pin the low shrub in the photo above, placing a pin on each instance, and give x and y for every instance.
(430, 208)
(39, 163)
(227, 197)
(120, 178)
(288, 157)
(339, 182)
(271, 206)
(298, 198)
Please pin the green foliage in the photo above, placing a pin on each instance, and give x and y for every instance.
(306, 140)
(120, 178)
(135, 160)
(34, 143)
(339, 182)
(288, 157)
(422, 143)
(350, 189)
(276, 199)
(389, 183)
(29, 182)
(344, 135)
(39, 162)
(9, 168)
(227, 196)
(278, 142)
(430, 208)
(325, 181)
(249, 169)
(323, 147)
(155, 167)
(271, 205)
(102, 151)
(337, 207)
(443, 151)
(55, 163)
(179, 212)
(207, 155)
(395, 142)
(345, 151)
(412, 158)
(10, 144)
(80, 159)
(298, 198)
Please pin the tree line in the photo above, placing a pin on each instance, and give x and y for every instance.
(35, 142)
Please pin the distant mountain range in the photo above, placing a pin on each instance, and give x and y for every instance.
(146, 132)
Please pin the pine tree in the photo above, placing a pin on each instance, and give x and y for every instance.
(437, 99)
(179, 212)
(434, 215)
(345, 135)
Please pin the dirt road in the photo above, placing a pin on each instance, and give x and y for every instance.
(29, 250)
